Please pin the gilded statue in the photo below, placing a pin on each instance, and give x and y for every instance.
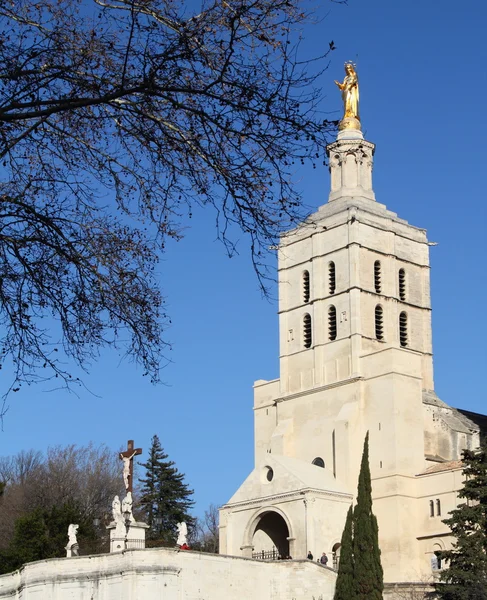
(350, 94)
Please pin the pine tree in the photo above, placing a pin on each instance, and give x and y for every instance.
(367, 568)
(345, 587)
(465, 577)
(165, 498)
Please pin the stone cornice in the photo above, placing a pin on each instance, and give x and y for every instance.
(347, 291)
(315, 390)
(434, 535)
(294, 495)
(313, 220)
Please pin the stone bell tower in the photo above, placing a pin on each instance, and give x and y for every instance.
(355, 349)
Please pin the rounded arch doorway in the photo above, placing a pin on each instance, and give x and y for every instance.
(270, 539)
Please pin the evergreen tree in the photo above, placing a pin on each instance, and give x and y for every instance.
(165, 498)
(43, 533)
(465, 577)
(367, 568)
(345, 586)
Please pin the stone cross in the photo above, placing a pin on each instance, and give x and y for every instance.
(128, 464)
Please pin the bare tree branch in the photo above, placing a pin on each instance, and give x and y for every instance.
(115, 118)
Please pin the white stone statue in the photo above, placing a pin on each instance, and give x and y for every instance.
(72, 549)
(118, 519)
(127, 503)
(127, 460)
(182, 534)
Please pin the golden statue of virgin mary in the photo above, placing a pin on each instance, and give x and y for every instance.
(350, 96)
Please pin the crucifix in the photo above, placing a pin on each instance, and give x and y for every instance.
(128, 464)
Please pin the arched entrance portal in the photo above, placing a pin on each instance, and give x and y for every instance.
(270, 539)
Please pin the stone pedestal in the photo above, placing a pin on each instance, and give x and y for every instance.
(351, 161)
(128, 538)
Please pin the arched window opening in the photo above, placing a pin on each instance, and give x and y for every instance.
(305, 286)
(332, 323)
(318, 462)
(335, 551)
(402, 284)
(438, 508)
(331, 278)
(307, 331)
(377, 277)
(403, 329)
(436, 559)
(379, 323)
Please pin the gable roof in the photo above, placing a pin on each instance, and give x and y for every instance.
(288, 475)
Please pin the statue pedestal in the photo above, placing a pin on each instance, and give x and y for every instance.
(127, 538)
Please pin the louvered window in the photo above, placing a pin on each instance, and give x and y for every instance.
(379, 325)
(305, 286)
(402, 284)
(403, 329)
(307, 331)
(377, 277)
(331, 278)
(332, 323)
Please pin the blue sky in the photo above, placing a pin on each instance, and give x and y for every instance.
(422, 68)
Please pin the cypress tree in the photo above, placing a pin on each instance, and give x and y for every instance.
(465, 577)
(368, 574)
(165, 498)
(345, 585)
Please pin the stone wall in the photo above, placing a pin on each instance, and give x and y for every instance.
(166, 574)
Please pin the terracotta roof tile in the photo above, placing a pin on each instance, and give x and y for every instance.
(445, 466)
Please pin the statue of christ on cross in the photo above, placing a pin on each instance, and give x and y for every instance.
(128, 464)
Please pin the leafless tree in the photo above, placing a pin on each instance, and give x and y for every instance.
(87, 477)
(16, 469)
(116, 118)
(206, 535)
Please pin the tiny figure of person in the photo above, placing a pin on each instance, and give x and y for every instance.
(324, 559)
(310, 556)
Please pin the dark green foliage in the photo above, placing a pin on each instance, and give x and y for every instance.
(345, 586)
(360, 575)
(368, 574)
(44, 534)
(165, 498)
(465, 577)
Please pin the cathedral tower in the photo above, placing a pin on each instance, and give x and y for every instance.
(355, 349)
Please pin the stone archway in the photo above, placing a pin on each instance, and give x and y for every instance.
(335, 553)
(269, 535)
